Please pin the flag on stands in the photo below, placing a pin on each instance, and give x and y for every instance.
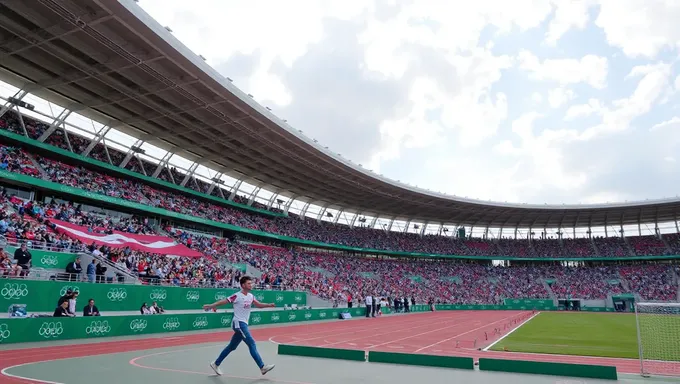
(144, 243)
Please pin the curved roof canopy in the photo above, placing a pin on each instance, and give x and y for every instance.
(110, 61)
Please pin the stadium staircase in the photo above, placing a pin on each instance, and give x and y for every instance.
(315, 301)
(665, 243)
(113, 271)
(597, 251)
(624, 283)
(631, 251)
(37, 166)
(552, 294)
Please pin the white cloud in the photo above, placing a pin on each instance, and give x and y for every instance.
(560, 96)
(568, 14)
(594, 106)
(640, 27)
(672, 123)
(590, 69)
(655, 82)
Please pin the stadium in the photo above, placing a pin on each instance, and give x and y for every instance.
(135, 175)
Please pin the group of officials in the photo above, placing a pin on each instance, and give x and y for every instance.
(374, 304)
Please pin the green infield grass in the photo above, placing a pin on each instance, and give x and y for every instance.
(596, 334)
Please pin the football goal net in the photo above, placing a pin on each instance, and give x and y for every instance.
(658, 334)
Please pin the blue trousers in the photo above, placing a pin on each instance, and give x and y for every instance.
(241, 334)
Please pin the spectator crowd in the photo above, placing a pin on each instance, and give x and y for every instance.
(331, 276)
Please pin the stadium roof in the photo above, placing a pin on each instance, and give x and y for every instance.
(110, 61)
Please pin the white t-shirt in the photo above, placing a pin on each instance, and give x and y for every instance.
(369, 300)
(242, 306)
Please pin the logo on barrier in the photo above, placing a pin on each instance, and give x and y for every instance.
(171, 324)
(225, 321)
(200, 322)
(275, 317)
(291, 316)
(221, 295)
(158, 295)
(51, 329)
(259, 296)
(279, 297)
(116, 294)
(193, 296)
(98, 328)
(298, 298)
(516, 301)
(138, 325)
(65, 288)
(335, 314)
(49, 260)
(4, 332)
(322, 315)
(13, 291)
(308, 315)
(256, 318)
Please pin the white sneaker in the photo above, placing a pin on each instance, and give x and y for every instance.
(267, 368)
(217, 369)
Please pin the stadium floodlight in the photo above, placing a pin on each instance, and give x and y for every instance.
(658, 333)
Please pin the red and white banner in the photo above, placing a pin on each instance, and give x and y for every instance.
(145, 243)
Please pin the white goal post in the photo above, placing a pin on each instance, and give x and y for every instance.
(658, 337)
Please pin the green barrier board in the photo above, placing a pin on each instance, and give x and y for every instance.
(326, 353)
(421, 360)
(42, 296)
(529, 303)
(49, 328)
(48, 259)
(552, 369)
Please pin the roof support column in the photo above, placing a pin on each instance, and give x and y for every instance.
(303, 212)
(99, 136)
(440, 229)
(270, 203)
(486, 232)
(252, 196)
(235, 188)
(389, 227)
(7, 106)
(622, 233)
(408, 223)
(322, 211)
(422, 230)
(337, 215)
(23, 125)
(190, 174)
(639, 222)
(56, 123)
(578, 215)
(677, 228)
(375, 220)
(161, 164)
(657, 230)
(130, 153)
(213, 184)
(289, 203)
(354, 219)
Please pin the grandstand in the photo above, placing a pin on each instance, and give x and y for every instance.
(110, 126)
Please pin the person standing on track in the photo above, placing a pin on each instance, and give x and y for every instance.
(369, 305)
(242, 301)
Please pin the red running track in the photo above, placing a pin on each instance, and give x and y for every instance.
(424, 333)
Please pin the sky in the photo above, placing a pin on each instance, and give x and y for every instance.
(536, 101)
